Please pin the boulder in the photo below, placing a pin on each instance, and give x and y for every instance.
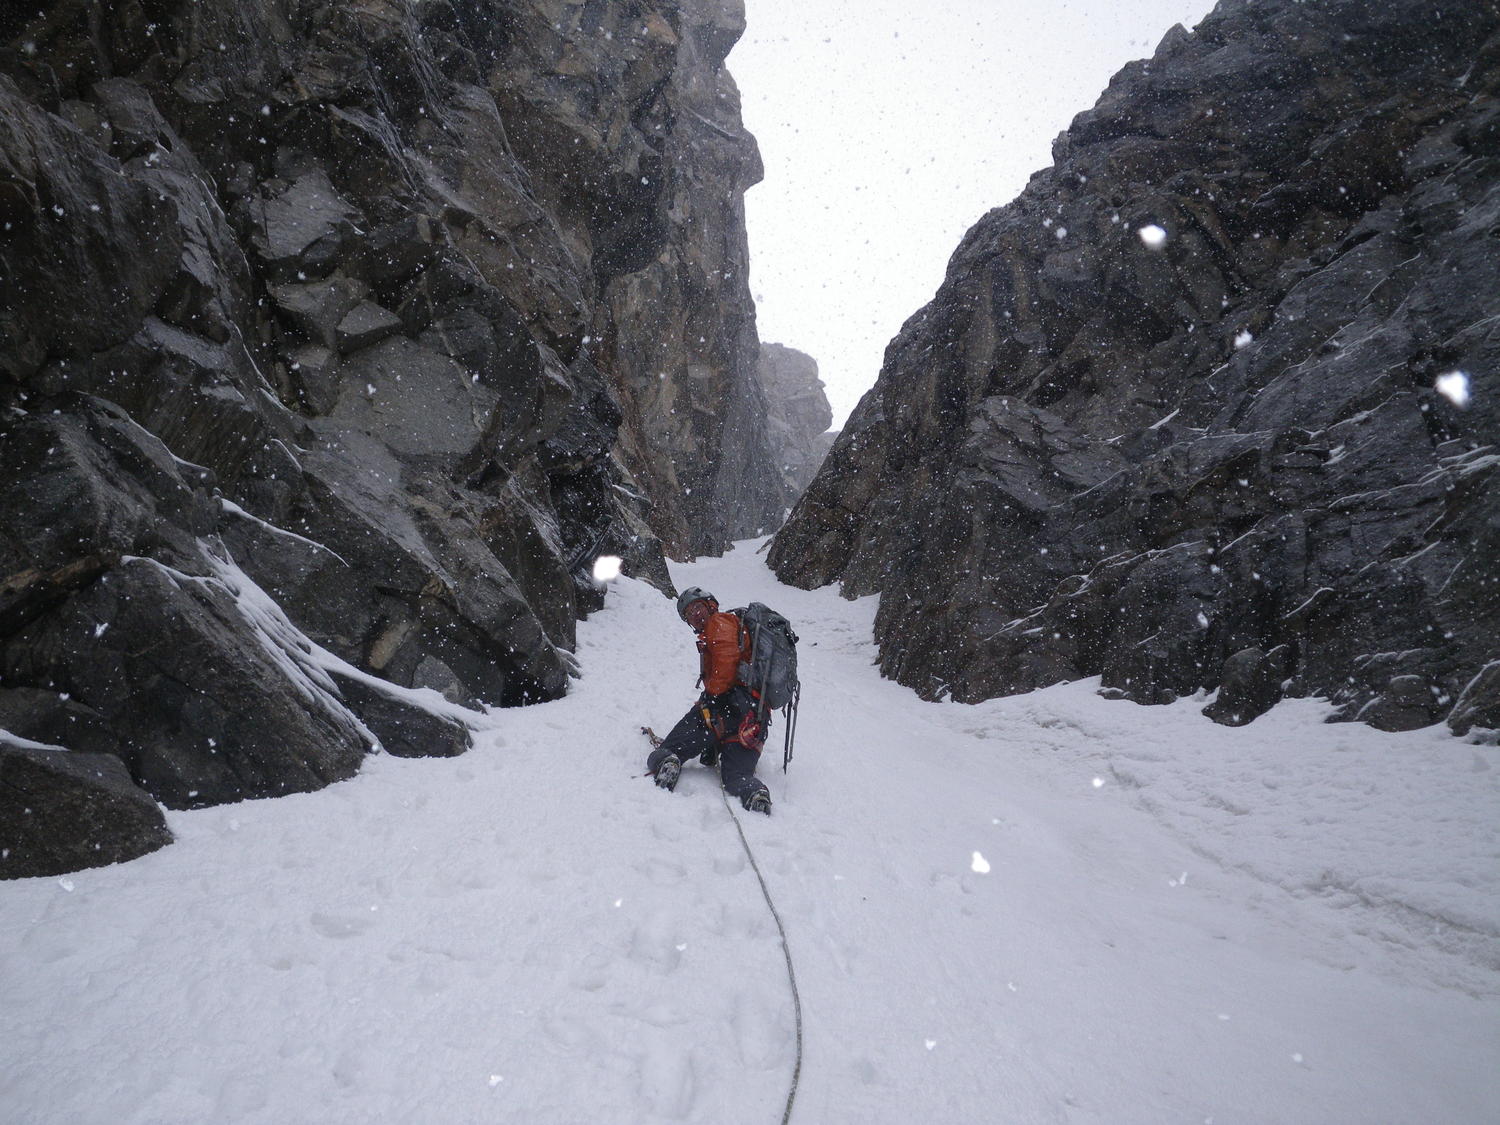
(63, 810)
(404, 726)
(1406, 703)
(1250, 684)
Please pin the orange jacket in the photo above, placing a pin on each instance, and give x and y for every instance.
(721, 647)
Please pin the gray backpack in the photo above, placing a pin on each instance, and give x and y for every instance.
(771, 671)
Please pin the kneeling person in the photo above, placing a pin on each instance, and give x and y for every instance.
(722, 727)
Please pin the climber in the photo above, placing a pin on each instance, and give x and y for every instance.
(722, 727)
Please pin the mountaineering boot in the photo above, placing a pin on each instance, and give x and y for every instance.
(759, 801)
(668, 771)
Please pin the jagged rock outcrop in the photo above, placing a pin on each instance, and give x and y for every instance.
(119, 604)
(678, 332)
(1179, 408)
(799, 413)
(319, 325)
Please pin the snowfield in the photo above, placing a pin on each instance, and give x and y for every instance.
(1050, 908)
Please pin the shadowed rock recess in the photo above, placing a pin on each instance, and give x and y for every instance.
(336, 340)
(1223, 460)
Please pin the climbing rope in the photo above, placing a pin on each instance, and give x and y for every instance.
(786, 951)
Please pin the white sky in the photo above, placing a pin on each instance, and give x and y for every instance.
(888, 128)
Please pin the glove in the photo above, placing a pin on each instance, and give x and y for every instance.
(749, 734)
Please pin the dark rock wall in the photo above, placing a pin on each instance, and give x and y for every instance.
(1091, 457)
(333, 331)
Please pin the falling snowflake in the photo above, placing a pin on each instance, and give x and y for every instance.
(1454, 386)
(1153, 236)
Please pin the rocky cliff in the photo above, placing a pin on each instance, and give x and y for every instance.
(336, 340)
(1215, 403)
(799, 413)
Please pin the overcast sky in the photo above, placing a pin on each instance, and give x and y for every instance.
(888, 128)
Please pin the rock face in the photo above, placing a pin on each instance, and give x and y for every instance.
(1181, 404)
(799, 413)
(679, 324)
(330, 337)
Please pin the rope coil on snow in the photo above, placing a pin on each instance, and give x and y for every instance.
(786, 951)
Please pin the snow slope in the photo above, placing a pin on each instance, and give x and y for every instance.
(1050, 908)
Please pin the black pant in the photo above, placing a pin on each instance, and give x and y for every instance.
(692, 736)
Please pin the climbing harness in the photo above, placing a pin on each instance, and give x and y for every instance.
(786, 952)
